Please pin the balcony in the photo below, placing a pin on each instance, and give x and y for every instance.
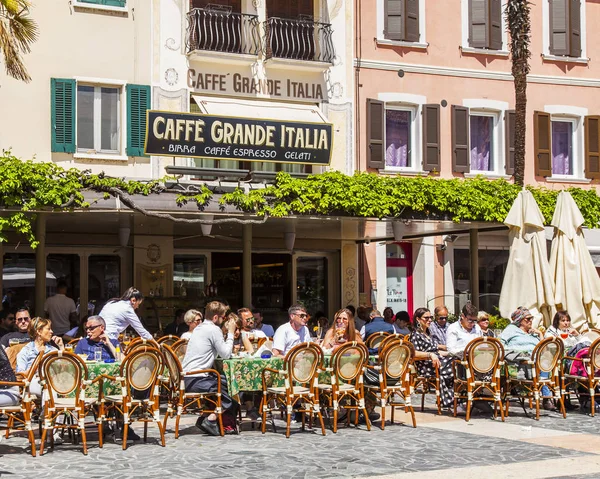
(302, 39)
(218, 32)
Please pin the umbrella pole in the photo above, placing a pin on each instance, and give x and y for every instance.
(474, 263)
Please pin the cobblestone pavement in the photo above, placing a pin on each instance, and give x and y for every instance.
(551, 447)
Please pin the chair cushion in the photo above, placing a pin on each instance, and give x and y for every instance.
(119, 398)
(281, 390)
(341, 387)
(70, 402)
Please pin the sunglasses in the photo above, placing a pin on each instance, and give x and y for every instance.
(91, 328)
(23, 320)
(302, 315)
(427, 318)
(444, 318)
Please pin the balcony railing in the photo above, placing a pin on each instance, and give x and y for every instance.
(302, 39)
(220, 30)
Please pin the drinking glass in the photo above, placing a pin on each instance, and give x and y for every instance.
(69, 348)
(13, 342)
(97, 354)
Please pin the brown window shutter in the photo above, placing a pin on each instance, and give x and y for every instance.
(509, 131)
(495, 25)
(431, 137)
(394, 19)
(411, 32)
(542, 140)
(575, 28)
(460, 139)
(375, 131)
(478, 24)
(559, 35)
(592, 147)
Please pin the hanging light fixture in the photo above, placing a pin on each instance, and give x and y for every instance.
(124, 233)
(206, 228)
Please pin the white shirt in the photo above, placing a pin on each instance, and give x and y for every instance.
(458, 337)
(267, 329)
(206, 342)
(287, 337)
(187, 335)
(362, 332)
(118, 315)
(59, 308)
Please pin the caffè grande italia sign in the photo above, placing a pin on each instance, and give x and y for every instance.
(232, 138)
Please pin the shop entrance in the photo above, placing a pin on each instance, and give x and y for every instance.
(399, 277)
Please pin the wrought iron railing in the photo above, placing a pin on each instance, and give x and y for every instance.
(301, 39)
(220, 30)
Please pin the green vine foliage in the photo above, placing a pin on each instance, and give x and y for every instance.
(375, 196)
(27, 187)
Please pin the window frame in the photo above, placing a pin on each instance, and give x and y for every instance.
(497, 138)
(576, 144)
(415, 137)
(97, 120)
(79, 4)
(546, 32)
(465, 43)
(381, 27)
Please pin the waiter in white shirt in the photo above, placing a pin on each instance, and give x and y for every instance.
(119, 313)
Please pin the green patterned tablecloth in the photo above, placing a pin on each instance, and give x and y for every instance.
(95, 370)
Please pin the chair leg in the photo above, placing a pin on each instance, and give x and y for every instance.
(537, 405)
(29, 427)
(83, 435)
(125, 428)
(263, 413)
(320, 416)
(469, 405)
(592, 399)
(382, 414)
(161, 430)
(335, 415)
(288, 419)
(43, 440)
(9, 426)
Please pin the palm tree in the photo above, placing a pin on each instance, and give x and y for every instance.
(519, 26)
(17, 32)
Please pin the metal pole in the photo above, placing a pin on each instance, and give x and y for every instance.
(40, 265)
(247, 266)
(474, 256)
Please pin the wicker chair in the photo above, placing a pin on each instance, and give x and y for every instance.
(19, 417)
(63, 374)
(180, 348)
(301, 365)
(346, 369)
(546, 358)
(374, 340)
(139, 378)
(590, 381)
(169, 340)
(137, 342)
(424, 385)
(183, 402)
(393, 365)
(12, 352)
(389, 338)
(482, 364)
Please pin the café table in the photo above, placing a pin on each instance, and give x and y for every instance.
(95, 369)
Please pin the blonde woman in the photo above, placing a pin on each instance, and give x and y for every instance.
(192, 318)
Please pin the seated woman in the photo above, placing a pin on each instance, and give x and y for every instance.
(240, 343)
(9, 395)
(427, 356)
(483, 320)
(561, 328)
(43, 341)
(341, 331)
(521, 336)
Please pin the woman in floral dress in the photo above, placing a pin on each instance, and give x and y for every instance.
(428, 356)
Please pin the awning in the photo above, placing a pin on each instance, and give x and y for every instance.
(259, 109)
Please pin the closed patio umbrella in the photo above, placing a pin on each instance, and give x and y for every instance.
(577, 285)
(527, 281)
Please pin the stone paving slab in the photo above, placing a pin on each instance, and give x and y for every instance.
(349, 453)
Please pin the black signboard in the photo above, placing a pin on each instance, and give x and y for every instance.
(231, 138)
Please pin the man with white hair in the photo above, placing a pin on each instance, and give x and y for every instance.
(96, 338)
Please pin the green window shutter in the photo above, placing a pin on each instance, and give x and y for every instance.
(109, 3)
(138, 101)
(63, 115)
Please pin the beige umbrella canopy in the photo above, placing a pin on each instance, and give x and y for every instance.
(577, 285)
(527, 281)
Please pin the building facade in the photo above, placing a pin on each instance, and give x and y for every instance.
(435, 96)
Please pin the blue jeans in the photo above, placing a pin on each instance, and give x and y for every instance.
(545, 389)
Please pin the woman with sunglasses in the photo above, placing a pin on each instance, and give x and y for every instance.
(428, 356)
(341, 331)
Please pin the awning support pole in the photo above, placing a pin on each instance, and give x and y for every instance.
(40, 265)
(474, 274)
(247, 266)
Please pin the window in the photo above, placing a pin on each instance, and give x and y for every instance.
(96, 114)
(485, 24)
(565, 27)
(403, 133)
(401, 19)
(104, 281)
(98, 125)
(562, 147)
(104, 3)
(398, 142)
(482, 142)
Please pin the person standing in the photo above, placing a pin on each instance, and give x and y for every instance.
(119, 313)
(61, 310)
(205, 344)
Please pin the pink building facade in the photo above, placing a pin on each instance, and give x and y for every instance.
(434, 94)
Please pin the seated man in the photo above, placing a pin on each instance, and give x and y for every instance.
(97, 338)
(292, 333)
(438, 329)
(258, 324)
(461, 332)
(248, 326)
(7, 322)
(22, 318)
(205, 344)
(376, 325)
